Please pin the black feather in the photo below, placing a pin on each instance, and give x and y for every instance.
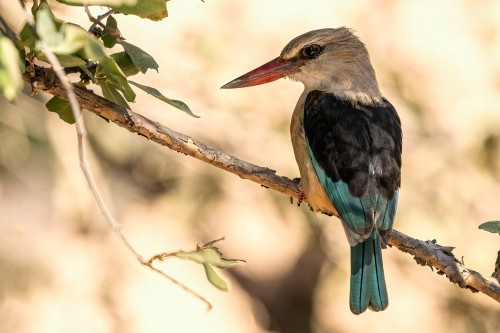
(346, 138)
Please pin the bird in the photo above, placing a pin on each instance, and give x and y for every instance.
(347, 141)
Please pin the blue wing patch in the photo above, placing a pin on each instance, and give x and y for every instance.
(359, 214)
(351, 209)
(386, 220)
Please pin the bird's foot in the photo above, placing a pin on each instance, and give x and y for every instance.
(384, 238)
(302, 195)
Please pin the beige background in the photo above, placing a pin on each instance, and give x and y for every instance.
(62, 270)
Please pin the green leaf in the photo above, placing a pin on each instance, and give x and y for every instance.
(108, 38)
(34, 7)
(111, 67)
(142, 60)
(208, 255)
(154, 10)
(65, 60)
(46, 27)
(62, 38)
(151, 9)
(491, 226)
(123, 60)
(62, 108)
(10, 71)
(214, 278)
(27, 36)
(107, 3)
(112, 94)
(93, 50)
(74, 38)
(175, 103)
(122, 85)
(109, 73)
(109, 70)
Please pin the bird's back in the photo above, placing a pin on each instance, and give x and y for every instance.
(357, 152)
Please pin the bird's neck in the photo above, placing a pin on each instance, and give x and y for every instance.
(360, 92)
(354, 89)
(356, 84)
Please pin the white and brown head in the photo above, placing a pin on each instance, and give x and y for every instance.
(332, 60)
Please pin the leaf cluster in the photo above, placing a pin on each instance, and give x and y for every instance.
(85, 52)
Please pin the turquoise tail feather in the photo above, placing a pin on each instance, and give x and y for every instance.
(368, 287)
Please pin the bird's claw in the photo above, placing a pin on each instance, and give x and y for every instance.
(302, 197)
(384, 238)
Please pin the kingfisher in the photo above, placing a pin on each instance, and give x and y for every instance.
(347, 142)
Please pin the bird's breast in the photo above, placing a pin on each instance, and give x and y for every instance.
(315, 194)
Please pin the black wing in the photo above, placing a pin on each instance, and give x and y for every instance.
(356, 150)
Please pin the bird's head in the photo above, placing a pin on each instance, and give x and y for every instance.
(332, 60)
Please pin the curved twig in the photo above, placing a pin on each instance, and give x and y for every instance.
(69, 92)
(425, 252)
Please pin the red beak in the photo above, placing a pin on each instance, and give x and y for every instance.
(271, 71)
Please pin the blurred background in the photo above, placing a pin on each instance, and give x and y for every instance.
(62, 269)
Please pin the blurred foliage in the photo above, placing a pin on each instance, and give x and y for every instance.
(489, 153)
(84, 52)
(464, 315)
(28, 272)
(24, 138)
(151, 9)
(10, 71)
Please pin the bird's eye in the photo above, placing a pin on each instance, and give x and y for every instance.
(311, 51)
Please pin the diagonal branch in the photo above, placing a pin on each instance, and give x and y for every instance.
(425, 252)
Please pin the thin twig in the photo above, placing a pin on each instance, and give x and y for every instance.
(424, 251)
(199, 247)
(9, 32)
(98, 22)
(70, 95)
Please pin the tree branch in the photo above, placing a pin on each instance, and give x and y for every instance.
(425, 252)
